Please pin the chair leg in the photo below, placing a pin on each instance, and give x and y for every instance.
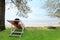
(16, 32)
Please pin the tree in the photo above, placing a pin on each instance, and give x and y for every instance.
(53, 8)
(2, 15)
(22, 7)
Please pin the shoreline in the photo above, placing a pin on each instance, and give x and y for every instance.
(40, 25)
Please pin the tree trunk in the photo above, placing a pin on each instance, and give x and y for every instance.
(2, 15)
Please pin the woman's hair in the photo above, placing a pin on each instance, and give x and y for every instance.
(17, 19)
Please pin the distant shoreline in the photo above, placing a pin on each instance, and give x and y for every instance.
(41, 25)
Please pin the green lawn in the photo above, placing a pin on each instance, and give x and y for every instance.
(33, 34)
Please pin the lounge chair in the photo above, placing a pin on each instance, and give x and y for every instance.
(18, 28)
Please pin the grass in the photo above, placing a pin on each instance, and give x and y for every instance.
(33, 34)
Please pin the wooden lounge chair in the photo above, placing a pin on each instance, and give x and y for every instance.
(18, 27)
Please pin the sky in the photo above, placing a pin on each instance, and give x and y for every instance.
(37, 17)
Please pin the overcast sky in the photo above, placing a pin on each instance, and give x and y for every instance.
(37, 17)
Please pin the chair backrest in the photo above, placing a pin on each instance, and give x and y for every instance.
(17, 24)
